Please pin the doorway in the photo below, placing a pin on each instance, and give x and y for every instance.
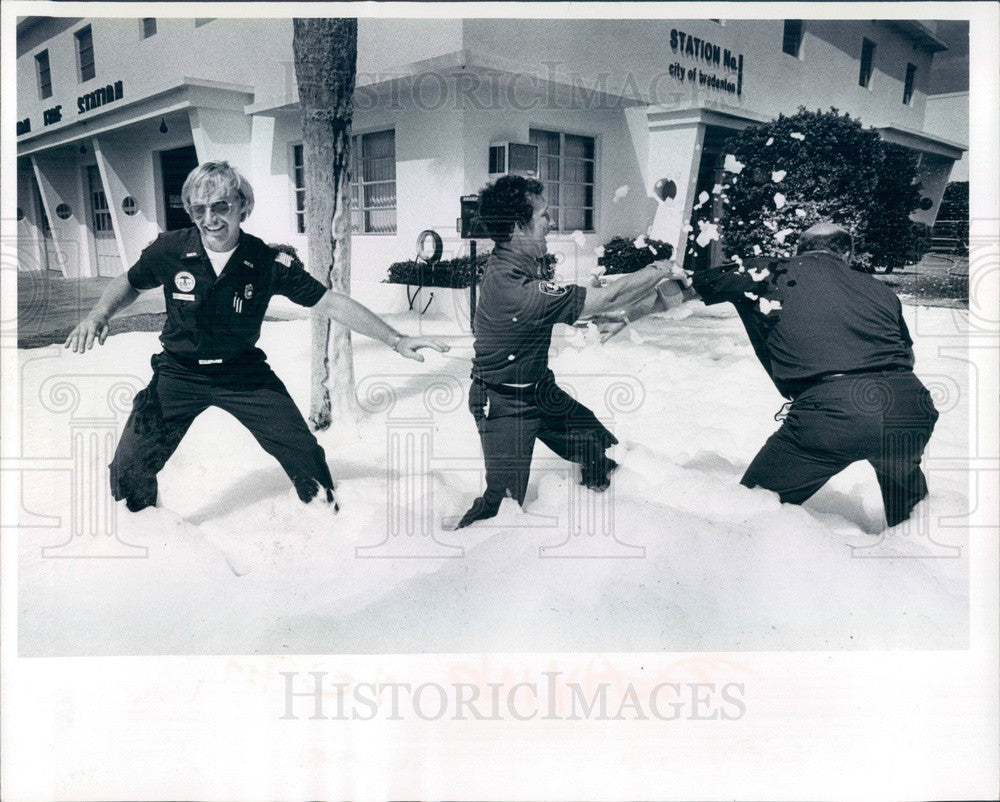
(710, 174)
(106, 256)
(175, 165)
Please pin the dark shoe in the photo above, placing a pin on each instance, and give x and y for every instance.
(331, 500)
(308, 489)
(136, 504)
(479, 511)
(598, 477)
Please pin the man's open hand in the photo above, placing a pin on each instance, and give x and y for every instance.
(408, 347)
(90, 330)
(673, 270)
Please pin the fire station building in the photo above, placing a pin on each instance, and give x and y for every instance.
(113, 113)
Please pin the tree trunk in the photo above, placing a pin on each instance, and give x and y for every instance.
(325, 53)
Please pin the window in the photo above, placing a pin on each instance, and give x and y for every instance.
(44, 74)
(373, 183)
(299, 176)
(148, 27)
(867, 62)
(911, 74)
(199, 21)
(566, 166)
(85, 54)
(791, 40)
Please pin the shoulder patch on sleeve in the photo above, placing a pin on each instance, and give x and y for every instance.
(551, 288)
(283, 259)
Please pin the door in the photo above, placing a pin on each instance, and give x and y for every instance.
(105, 245)
(710, 175)
(175, 165)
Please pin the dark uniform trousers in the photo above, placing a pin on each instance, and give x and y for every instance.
(181, 390)
(510, 418)
(885, 418)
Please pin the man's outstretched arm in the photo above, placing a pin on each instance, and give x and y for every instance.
(348, 312)
(716, 285)
(629, 289)
(94, 327)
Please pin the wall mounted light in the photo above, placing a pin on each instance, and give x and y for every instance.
(163, 126)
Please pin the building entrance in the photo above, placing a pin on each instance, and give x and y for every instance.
(175, 165)
(101, 228)
(710, 174)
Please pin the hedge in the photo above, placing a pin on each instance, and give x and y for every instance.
(623, 255)
(819, 166)
(454, 273)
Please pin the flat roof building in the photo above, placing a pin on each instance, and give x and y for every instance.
(113, 113)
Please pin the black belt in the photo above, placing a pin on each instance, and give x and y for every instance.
(195, 362)
(801, 385)
(506, 389)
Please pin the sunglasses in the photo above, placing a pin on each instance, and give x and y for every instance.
(219, 208)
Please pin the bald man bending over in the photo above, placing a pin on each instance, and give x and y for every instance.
(833, 340)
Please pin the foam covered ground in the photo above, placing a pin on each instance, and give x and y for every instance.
(675, 556)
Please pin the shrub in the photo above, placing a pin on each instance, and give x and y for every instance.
(454, 273)
(893, 240)
(288, 249)
(623, 255)
(821, 166)
(953, 217)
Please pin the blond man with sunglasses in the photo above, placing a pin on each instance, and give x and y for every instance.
(217, 281)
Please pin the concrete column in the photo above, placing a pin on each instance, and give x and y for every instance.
(223, 135)
(674, 154)
(30, 240)
(128, 172)
(60, 181)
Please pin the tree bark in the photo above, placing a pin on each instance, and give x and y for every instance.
(325, 54)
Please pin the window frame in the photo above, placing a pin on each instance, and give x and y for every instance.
(865, 78)
(298, 192)
(82, 66)
(359, 222)
(909, 83)
(44, 74)
(557, 210)
(798, 42)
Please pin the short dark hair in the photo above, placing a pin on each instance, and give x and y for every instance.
(825, 237)
(505, 204)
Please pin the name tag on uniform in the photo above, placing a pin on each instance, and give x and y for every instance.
(183, 296)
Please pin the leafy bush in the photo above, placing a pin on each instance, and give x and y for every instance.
(893, 239)
(288, 249)
(953, 217)
(622, 255)
(454, 273)
(819, 166)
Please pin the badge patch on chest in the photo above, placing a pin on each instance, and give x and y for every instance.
(184, 281)
(551, 288)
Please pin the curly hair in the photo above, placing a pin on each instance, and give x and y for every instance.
(505, 204)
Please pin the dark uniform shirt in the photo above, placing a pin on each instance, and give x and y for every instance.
(211, 317)
(828, 318)
(515, 313)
